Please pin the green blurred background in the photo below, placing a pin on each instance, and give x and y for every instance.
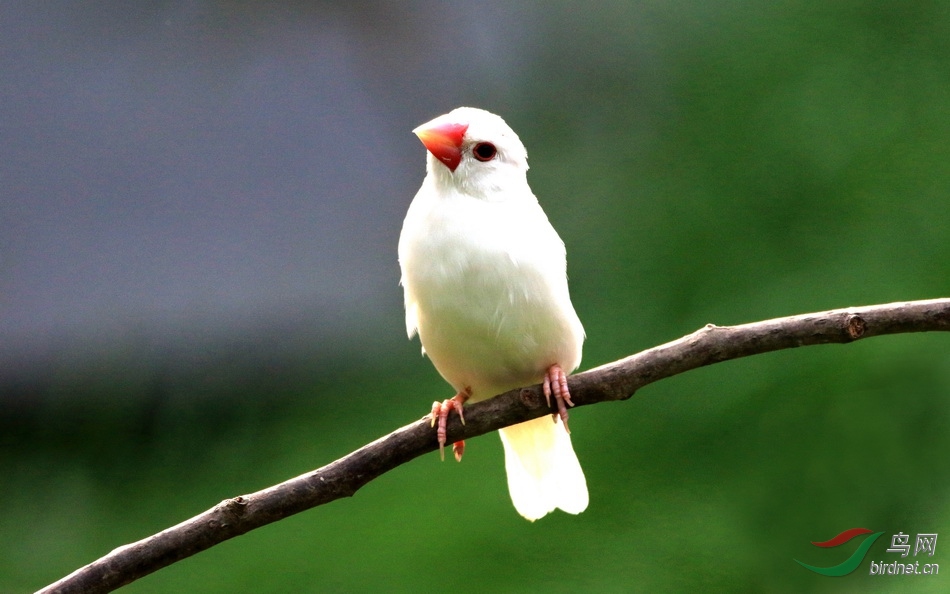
(704, 163)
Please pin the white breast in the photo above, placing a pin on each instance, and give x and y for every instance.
(486, 288)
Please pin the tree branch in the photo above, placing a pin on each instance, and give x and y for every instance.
(614, 381)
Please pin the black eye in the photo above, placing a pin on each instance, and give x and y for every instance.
(484, 151)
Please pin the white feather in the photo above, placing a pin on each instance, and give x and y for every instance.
(485, 281)
(543, 471)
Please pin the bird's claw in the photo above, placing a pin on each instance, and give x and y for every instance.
(440, 414)
(555, 382)
(458, 448)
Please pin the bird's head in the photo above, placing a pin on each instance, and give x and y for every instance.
(474, 151)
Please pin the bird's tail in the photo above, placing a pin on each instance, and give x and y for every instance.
(543, 471)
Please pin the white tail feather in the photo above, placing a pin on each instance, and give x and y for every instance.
(543, 471)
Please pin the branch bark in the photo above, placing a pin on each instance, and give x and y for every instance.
(615, 381)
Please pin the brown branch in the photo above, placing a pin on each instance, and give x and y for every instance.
(614, 381)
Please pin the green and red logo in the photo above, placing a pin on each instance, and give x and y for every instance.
(852, 562)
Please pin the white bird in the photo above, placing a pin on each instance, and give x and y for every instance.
(485, 281)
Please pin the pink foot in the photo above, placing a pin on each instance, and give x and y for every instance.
(440, 413)
(555, 382)
(458, 448)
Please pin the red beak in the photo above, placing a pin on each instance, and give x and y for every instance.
(443, 140)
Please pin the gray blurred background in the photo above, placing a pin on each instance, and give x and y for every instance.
(199, 210)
